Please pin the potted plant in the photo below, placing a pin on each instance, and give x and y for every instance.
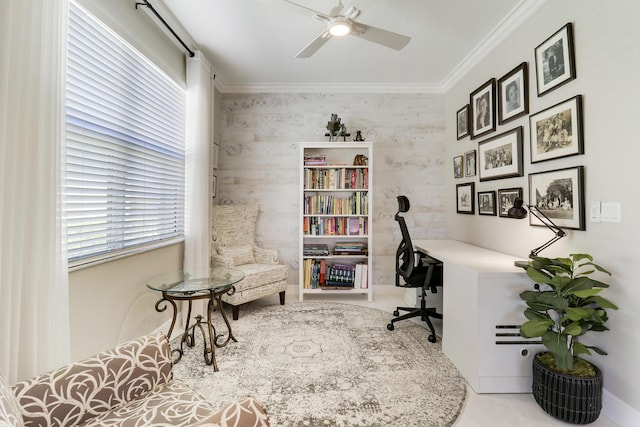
(564, 306)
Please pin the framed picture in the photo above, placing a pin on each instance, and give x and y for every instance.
(470, 163)
(214, 156)
(214, 186)
(465, 202)
(482, 109)
(555, 61)
(462, 120)
(486, 203)
(458, 166)
(513, 94)
(560, 195)
(557, 131)
(501, 156)
(506, 196)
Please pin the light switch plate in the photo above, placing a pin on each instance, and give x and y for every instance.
(610, 212)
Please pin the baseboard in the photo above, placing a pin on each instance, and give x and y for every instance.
(618, 411)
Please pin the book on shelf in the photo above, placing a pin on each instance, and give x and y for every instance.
(315, 249)
(315, 160)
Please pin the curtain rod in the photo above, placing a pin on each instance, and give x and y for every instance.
(146, 3)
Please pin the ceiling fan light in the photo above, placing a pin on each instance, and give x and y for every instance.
(339, 28)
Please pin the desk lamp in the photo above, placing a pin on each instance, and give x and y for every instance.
(519, 212)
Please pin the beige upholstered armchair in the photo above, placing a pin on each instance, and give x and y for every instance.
(234, 246)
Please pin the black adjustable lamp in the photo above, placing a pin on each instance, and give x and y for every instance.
(518, 211)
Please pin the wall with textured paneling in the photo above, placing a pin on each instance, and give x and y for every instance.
(259, 152)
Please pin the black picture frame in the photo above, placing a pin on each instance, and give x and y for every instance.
(506, 196)
(482, 109)
(559, 194)
(462, 122)
(555, 60)
(470, 163)
(465, 198)
(513, 94)
(487, 203)
(458, 167)
(557, 131)
(501, 156)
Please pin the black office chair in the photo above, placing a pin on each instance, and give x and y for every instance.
(417, 270)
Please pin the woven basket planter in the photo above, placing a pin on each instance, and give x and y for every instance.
(575, 400)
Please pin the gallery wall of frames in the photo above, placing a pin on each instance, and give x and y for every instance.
(554, 132)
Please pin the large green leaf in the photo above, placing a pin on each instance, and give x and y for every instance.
(573, 328)
(586, 293)
(538, 276)
(602, 302)
(557, 344)
(535, 327)
(579, 348)
(577, 313)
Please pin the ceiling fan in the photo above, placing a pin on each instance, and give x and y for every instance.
(339, 25)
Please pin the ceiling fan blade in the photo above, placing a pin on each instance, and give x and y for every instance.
(378, 35)
(315, 44)
(299, 8)
(336, 9)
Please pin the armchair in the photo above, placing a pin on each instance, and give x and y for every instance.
(234, 246)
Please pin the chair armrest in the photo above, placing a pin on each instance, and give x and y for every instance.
(266, 256)
(77, 392)
(246, 412)
(222, 261)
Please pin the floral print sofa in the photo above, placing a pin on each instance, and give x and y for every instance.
(130, 385)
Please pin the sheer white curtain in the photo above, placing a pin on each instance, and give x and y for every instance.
(34, 314)
(199, 136)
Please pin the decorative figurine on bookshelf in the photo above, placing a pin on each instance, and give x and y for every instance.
(358, 137)
(360, 160)
(336, 129)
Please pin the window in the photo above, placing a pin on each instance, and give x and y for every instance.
(125, 147)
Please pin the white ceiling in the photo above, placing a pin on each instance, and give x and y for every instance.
(252, 43)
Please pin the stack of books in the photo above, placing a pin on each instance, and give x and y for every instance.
(315, 160)
(350, 248)
(315, 249)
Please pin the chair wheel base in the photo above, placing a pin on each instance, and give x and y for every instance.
(432, 338)
(396, 313)
(390, 326)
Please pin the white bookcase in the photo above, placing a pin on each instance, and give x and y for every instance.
(335, 219)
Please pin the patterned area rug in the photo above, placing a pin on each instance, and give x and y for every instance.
(331, 364)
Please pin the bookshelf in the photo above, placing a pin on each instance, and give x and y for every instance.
(335, 219)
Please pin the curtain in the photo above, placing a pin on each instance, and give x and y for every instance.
(34, 314)
(199, 136)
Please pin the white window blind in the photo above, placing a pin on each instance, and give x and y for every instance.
(125, 146)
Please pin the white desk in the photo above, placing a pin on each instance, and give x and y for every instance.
(482, 312)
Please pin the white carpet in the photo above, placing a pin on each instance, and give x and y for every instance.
(331, 364)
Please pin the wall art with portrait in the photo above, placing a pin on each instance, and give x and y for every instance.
(482, 109)
(501, 156)
(458, 166)
(470, 163)
(513, 94)
(487, 203)
(465, 202)
(506, 196)
(559, 194)
(557, 131)
(555, 60)
(462, 122)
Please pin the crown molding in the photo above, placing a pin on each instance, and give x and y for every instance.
(324, 87)
(508, 25)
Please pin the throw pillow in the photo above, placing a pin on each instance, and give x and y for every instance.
(239, 254)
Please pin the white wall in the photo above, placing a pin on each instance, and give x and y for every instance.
(259, 161)
(608, 65)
